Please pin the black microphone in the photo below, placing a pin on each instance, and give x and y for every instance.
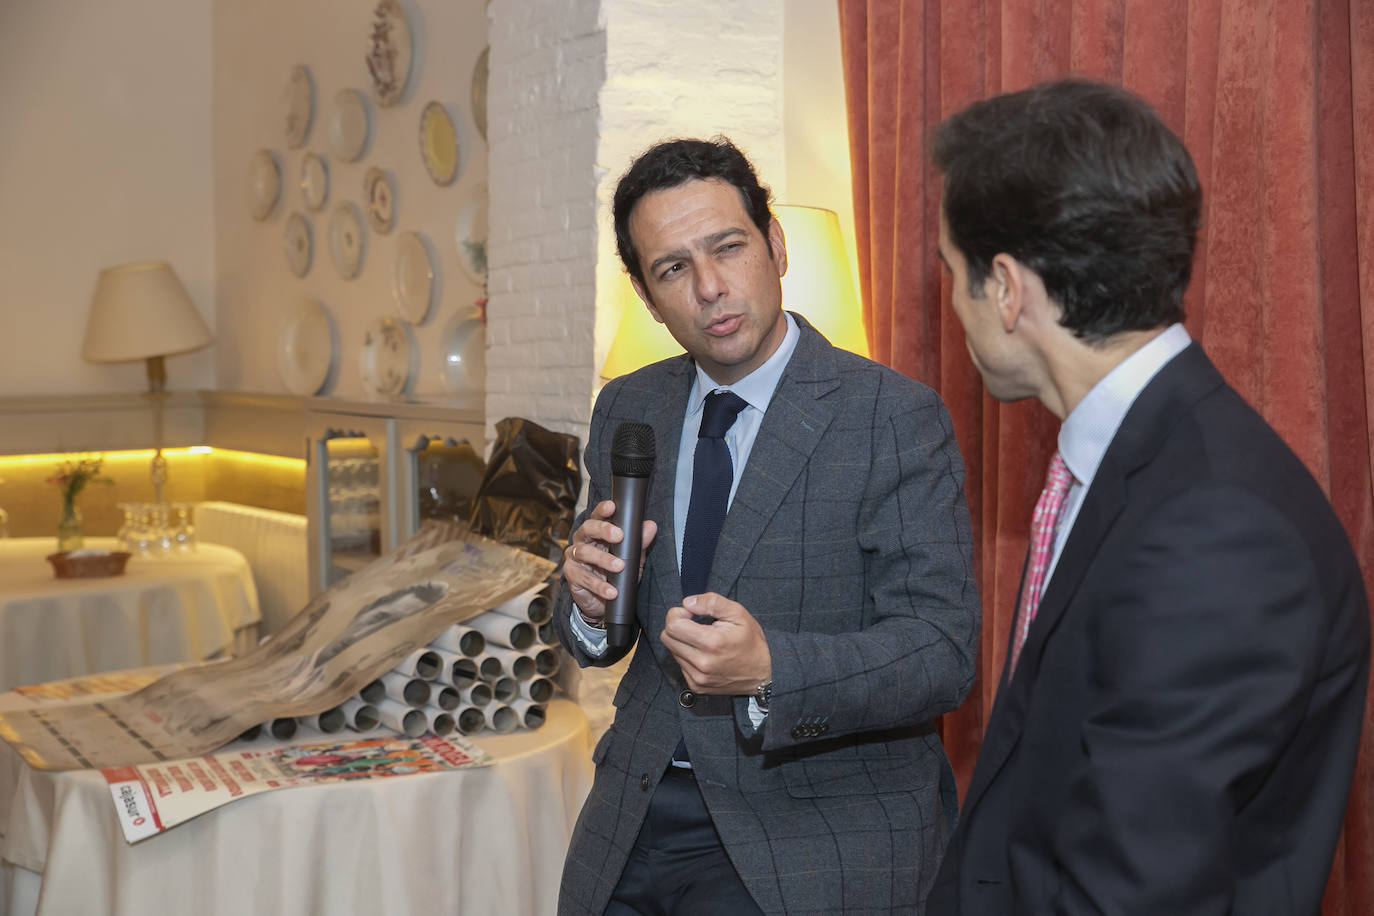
(632, 461)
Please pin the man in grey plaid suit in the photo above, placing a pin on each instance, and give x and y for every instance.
(774, 746)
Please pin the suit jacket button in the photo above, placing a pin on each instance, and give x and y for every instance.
(798, 731)
(686, 699)
(644, 782)
(822, 729)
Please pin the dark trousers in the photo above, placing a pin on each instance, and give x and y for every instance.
(678, 866)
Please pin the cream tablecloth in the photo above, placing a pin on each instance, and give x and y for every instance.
(478, 841)
(174, 608)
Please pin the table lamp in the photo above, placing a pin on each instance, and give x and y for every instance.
(818, 285)
(142, 311)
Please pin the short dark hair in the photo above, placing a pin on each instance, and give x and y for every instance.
(676, 162)
(1084, 184)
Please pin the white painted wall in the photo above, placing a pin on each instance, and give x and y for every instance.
(256, 42)
(104, 159)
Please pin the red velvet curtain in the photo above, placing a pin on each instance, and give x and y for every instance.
(1275, 100)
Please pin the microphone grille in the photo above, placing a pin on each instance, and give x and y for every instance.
(632, 450)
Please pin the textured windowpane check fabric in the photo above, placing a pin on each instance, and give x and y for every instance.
(712, 475)
(1047, 510)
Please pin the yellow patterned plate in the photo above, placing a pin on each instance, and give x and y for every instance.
(438, 144)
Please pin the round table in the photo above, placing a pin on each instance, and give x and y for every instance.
(172, 608)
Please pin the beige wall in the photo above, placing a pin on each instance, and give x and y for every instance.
(104, 159)
(256, 42)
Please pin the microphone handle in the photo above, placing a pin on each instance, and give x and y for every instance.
(621, 624)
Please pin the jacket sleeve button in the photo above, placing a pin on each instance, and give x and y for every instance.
(798, 731)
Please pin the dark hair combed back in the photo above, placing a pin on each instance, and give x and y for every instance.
(674, 162)
(1083, 184)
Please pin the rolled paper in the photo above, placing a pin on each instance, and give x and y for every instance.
(533, 606)
(373, 692)
(547, 634)
(540, 690)
(504, 631)
(505, 689)
(489, 667)
(503, 719)
(422, 663)
(438, 721)
(399, 717)
(329, 721)
(282, 729)
(546, 662)
(520, 664)
(479, 694)
(359, 716)
(469, 720)
(464, 672)
(251, 734)
(532, 714)
(412, 691)
(444, 697)
(461, 639)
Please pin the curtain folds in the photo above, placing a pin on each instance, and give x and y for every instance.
(1275, 100)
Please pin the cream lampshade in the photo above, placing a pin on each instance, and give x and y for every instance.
(818, 285)
(142, 311)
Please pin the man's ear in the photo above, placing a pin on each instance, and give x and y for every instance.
(777, 244)
(646, 299)
(1009, 289)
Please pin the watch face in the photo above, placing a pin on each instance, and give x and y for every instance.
(763, 693)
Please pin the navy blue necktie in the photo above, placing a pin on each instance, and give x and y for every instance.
(712, 475)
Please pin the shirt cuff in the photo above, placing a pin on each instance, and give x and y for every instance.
(589, 638)
(756, 715)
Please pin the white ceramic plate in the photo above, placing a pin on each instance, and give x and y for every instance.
(479, 91)
(300, 106)
(463, 353)
(380, 200)
(346, 239)
(314, 181)
(388, 53)
(413, 277)
(471, 233)
(438, 144)
(348, 125)
(306, 347)
(387, 360)
(297, 241)
(264, 184)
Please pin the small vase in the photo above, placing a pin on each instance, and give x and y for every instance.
(70, 531)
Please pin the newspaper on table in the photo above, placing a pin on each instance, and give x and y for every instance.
(344, 638)
(154, 797)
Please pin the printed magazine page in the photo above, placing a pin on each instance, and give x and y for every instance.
(345, 637)
(152, 798)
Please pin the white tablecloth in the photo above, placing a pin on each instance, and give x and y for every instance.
(173, 608)
(478, 841)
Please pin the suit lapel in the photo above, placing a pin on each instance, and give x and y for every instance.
(1160, 405)
(797, 418)
(665, 408)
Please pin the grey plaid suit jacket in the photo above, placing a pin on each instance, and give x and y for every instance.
(848, 539)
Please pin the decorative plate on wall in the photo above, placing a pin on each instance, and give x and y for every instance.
(314, 181)
(471, 233)
(413, 277)
(380, 200)
(463, 353)
(306, 347)
(264, 184)
(387, 360)
(346, 239)
(348, 125)
(438, 144)
(297, 242)
(479, 91)
(388, 53)
(300, 106)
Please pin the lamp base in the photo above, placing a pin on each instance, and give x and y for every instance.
(157, 375)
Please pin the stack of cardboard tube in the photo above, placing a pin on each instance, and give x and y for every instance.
(492, 671)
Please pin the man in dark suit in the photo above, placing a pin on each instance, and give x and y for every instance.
(774, 747)
(1176, 726)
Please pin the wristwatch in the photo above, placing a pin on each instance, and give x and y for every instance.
(763, 693)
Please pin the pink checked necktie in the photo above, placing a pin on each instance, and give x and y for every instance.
(1047, 510)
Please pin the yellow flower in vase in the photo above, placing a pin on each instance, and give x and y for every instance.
(71, 478)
